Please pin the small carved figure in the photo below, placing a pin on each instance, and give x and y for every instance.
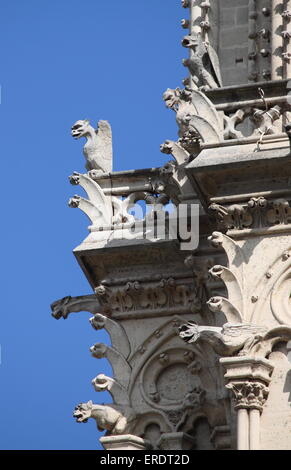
(116, 419)
(98, 148)
(203, 64)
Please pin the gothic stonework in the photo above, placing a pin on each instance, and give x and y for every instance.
(198, 334)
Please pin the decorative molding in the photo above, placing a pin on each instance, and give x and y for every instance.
(256, 213)
(168, 294)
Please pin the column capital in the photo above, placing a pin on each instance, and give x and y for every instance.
(249, 395)
(248, 378)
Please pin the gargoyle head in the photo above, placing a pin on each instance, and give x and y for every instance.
(98, 321)
(167, 147)
(189, 332)
(83, 412)
(98, 350)
(171, 98)
(80, 128)
(192, 41)
(59, 309)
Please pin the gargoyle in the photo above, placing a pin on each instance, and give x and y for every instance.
(195, 115)
(226, 341)
(100, 209)
(115, 419)
(203, 64)
(63, 307)
(98, 148)
(179, 153)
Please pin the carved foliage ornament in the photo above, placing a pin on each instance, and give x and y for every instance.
(256, 213)
(165, 294)
(249, 394)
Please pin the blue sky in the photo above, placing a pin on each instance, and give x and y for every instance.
(63, 60)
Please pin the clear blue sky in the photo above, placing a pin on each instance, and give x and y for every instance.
(63, 60)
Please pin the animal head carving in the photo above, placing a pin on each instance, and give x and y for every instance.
(98, 350)
(189, 332)
(171, 98)
(192, 41)
(83, 412)
(59, 308)
(98, 321)
(80, 128)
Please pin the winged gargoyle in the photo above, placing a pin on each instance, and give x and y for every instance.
(116, 419)
(241, 339)
(203, 63)
(99, 208)
(195, 115)
(98, 148)
(225, 341)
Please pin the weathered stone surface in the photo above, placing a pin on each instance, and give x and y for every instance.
(227, 385)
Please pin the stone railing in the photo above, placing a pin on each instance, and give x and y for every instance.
(252, 112)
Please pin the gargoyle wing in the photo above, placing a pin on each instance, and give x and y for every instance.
(206, 110)
(104, 142)
(208, 133)
(215, 64)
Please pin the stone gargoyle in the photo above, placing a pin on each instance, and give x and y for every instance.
(203, 64)
(63, 307)
(116, 419)
(226, 341)
(196, 116)
(241, 339)
(98, 147)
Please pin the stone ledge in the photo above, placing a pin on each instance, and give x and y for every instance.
(124, 442)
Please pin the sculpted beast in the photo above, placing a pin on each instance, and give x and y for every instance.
(242, 339)
(195, 115)
(63, 307)
(116, 419)
(225, 341)
(203, 64)
(98, 148)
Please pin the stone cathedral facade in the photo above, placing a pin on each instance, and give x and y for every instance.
(197, 298)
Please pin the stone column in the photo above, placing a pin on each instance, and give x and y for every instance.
(254, 417)
(286, 38)
(248, 378)
(242, 428)
(277, 40)
(195, 16)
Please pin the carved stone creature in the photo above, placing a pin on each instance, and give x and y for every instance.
(63, 307)
(115, 419)
(98, 148)
(195, 116)
(225, 341)
(179, 153)
(203, 64)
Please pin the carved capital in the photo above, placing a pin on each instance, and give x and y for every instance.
(249, 394)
